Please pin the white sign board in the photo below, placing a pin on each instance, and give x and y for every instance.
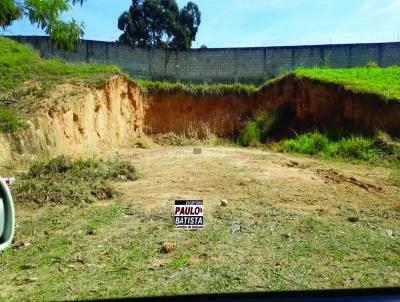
(189, 214)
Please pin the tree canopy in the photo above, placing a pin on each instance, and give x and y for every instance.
(46, 15)
(159, 23)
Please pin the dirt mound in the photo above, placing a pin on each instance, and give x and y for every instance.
(81, 119)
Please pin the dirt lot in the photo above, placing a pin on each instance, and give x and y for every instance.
(291, 223)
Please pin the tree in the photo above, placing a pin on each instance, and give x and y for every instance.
(159, 23)
(46, 15)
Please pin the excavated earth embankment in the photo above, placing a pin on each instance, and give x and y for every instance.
(309, 102)
(79, 119)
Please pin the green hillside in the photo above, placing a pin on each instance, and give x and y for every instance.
(382, 81)
(19, 63)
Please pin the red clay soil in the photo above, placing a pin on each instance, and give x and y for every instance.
(331, 105)
(312, 103)
(182, 113)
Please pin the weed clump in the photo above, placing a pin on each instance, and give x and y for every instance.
(257, 131)
(63, 180)
(312, 144)
(250, 135)
(9, 122)
(372, 64)
(356, 147)
(383, 141)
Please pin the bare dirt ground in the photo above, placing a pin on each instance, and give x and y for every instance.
(291, 223)
(252, 176)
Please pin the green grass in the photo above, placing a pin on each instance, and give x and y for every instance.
(380, 149)
(353, 148)
(103, 252)
(394, 178)
(197, 89)
(384, 82)
(9, 121)
(373, 79)
(19, 63)
(63, 180)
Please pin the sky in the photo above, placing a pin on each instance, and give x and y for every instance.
(252, 23)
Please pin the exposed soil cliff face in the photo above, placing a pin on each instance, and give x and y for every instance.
(310, 103)
(81, 120)
(330, 105)
(198, 116)
(221, 115)
(78, 119)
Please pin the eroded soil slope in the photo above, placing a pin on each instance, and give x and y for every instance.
(81, 119)
(77, 119)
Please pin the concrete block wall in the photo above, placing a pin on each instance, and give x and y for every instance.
(251, 65)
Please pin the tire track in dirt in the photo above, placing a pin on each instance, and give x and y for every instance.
(333, 176)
